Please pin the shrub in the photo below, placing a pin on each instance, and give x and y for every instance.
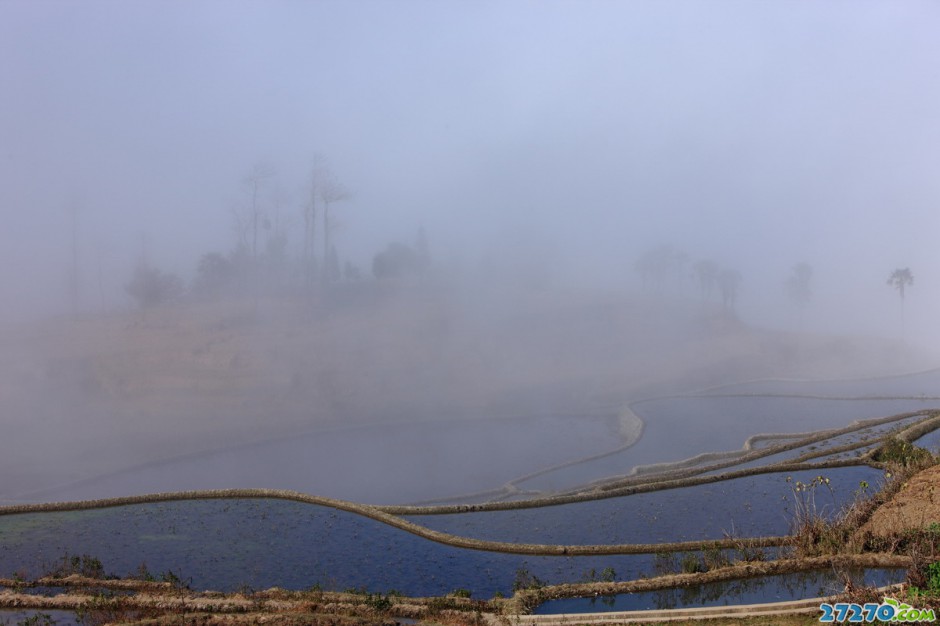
(665, 563)
(901, 453)
(933, 576)
(378, 602)
(815, 533)
(714, 557)
(396, 261)
(215, 274)
(143, 573)
(526, 580)
(691, 564)
(84, 565)
(150, 287)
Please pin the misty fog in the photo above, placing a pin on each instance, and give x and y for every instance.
(226, 224)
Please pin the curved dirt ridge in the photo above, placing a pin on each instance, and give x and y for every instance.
(525, 600)
(808, 606)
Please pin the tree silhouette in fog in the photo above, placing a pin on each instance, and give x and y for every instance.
(150, 286)
(799, 287)
(331, 191)
(396, 261)
(728, 282)
(659, 265)
(215, 274)
(706, 271)
(900, 279)
(254, 182)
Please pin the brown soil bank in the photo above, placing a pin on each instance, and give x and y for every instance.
(916, 505)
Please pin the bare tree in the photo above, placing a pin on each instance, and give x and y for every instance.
(318, 173)
(276, 223)
(331, 191)
(254, 181)
(241, 224)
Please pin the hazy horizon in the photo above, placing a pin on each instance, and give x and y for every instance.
(561, 139)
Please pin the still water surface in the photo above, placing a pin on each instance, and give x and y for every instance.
(227, 545)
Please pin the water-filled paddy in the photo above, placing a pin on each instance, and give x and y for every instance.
(381, 463)
(680, 428)
(857, 443)
(778, 588)
(926, 383)
(229, 544)
(428, 460)
(750, 506)
(232, 544)
(930, 441)
(60, 618)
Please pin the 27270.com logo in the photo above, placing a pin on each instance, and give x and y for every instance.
(890, 610)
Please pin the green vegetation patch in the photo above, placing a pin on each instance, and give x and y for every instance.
(901, 453)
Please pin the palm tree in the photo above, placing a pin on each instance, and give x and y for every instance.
(899, 279)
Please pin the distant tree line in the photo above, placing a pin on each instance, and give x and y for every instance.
(260, 261)
(664, 268)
